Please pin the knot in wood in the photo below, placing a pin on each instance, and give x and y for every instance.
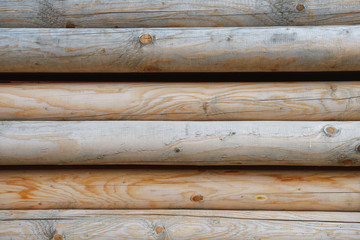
(300, 7)
(358, 148)
(158, 229)
(197, 198)
(57, 237)
(331, 131)
(146, 39)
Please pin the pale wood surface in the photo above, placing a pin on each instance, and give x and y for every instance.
(180, 143)
(177, 224)
(201, 188)
(263, 49)
(181, 101)
(176, 13)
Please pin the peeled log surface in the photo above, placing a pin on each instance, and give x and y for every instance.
(178, 224)
(180, 143)
(170, 188)
(176, 13)
(315, 101)
(264, 49)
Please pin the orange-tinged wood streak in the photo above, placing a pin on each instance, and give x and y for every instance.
(151, 188)
(317, 101)
(177, 224)
(263, 49)
(176, 13)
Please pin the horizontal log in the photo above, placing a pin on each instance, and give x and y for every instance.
(264, 49)
(316, 101)
(175, 13)
(177, 224)
(202, 188)
(180, 143)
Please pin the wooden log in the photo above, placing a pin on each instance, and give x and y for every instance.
(180, 143)
(175, 13)
(264, 49)
(315, 101)
(202, 188)
(177, 224)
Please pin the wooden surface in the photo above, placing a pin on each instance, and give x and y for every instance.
(175, 13)
(173, 188)
(177, 224)
(180, 143)
(263, 49)
(317, 101)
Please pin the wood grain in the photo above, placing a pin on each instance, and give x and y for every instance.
(315, 101)
(180, 143)
(263, 49)
(177, 224)
(176, 13)
(170, 188)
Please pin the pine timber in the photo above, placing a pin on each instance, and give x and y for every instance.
(171, 188)
(264, 49)
(175, 13)
(314, 101)
(178, 224)
(180, 143)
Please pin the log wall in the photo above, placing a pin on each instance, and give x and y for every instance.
(117, 36)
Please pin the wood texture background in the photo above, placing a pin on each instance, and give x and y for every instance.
(316, 101)
(263, 49)
(180, 143)
(170, 188)
(177, 224)
(176, 13)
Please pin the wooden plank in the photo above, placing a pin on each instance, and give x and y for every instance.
(315, 101)
(175, 13)
(180, 143)
(177, 224)
(263, 49)
(170, 188)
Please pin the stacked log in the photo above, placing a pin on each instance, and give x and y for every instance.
(178, 224)
(175, 13)
(263, 49)
(190, 101)
(186, 188)
(250, 159)
(180, 143)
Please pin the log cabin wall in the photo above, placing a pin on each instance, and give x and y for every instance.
(249, 129)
